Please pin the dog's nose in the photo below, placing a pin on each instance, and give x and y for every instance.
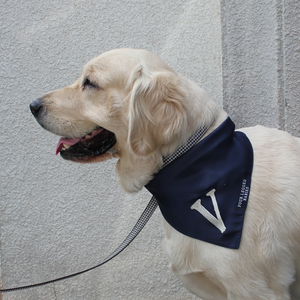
(36, 107)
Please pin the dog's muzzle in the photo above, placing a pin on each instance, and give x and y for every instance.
(81, 148)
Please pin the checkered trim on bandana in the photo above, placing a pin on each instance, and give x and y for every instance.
(191, 142)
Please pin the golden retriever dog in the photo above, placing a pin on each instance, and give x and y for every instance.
(130, 105)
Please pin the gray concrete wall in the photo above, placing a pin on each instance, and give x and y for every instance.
(58, 217)
(261, 62)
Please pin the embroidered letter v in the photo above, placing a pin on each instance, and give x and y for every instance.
(218, 222)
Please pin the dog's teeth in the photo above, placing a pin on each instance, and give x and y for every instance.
(66, 146)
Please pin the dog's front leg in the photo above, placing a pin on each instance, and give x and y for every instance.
(201, 286)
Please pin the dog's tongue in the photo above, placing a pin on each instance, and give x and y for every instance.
(71, 142)
(65, 141)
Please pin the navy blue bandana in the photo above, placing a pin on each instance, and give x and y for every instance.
(204, 193)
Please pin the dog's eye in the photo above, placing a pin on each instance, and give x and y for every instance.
(88, 83)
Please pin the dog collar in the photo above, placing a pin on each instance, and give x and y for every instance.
(203, 193)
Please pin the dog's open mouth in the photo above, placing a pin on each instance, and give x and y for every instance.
(94, 144)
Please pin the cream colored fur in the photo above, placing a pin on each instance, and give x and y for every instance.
(152, 110)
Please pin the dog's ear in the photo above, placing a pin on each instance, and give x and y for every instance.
(156, 110)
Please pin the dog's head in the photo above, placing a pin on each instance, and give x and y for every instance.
(127, 103)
